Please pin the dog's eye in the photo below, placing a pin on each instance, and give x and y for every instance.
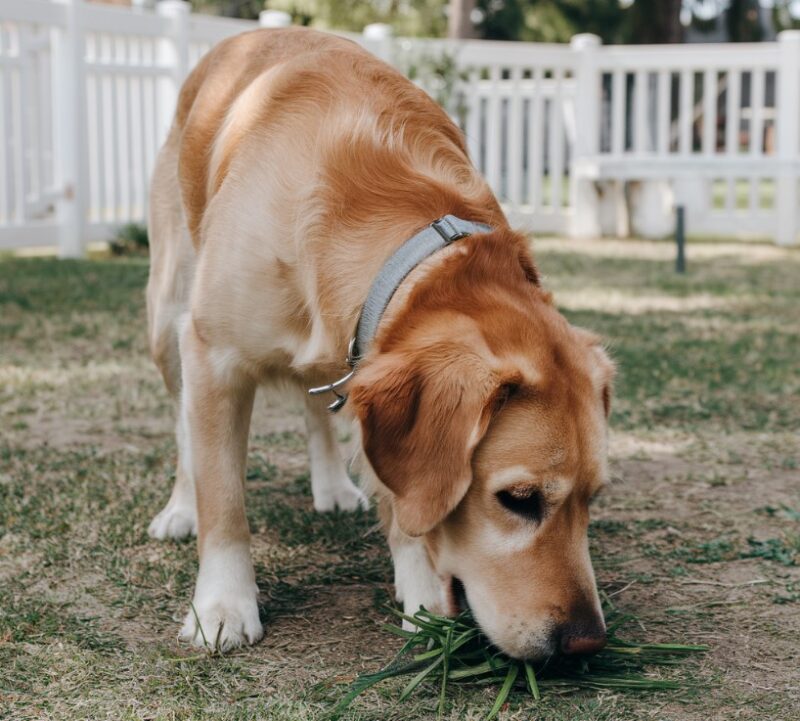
(504, 394)
(526, 502)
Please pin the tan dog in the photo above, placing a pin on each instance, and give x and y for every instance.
(297, 164)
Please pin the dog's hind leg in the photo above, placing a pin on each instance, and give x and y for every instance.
(330, 483)
(171, 270)
(178, 518)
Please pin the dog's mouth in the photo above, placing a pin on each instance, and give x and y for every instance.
(457, 597)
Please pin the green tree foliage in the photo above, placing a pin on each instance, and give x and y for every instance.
(652, 22)
(408, 17)
(744, 22)
(615, 21)
(637, 21)
(501, 20)
(247, 9)
(786, 15)
(601, 17)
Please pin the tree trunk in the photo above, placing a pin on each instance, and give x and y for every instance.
(459, 23)
(655, 21)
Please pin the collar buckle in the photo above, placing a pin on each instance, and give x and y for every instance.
(341, 398)
(447, 230)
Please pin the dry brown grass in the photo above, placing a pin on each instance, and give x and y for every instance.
(698, 536)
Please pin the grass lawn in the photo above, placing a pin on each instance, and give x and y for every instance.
(699, 535)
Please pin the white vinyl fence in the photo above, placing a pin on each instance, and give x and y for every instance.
(577, 139)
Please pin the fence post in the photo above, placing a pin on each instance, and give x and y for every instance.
(788, 136)
(69, 106)
(173, 52)
(583, 193)
(274, 19)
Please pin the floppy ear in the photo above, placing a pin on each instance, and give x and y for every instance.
(421, 419)
(603, 369)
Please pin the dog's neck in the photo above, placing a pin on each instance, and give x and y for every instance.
(422, 272)
(432, 240)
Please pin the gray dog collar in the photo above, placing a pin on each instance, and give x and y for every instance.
(432, 238)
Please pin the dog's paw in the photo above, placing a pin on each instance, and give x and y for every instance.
(416, 583)
(174, 521)
(342, 494)
(224, 624)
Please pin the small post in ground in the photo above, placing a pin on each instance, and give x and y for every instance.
(680, 239)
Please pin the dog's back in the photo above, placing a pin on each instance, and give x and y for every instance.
(336, 157)
(319, 89)
(247, 64)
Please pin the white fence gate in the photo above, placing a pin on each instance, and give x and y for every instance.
(575, 139)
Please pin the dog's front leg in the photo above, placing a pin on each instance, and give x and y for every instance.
(415, 580)
(330, 483)
(217, 402)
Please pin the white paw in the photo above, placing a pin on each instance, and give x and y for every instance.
(224, 624)
(431, 602)
(174, 521)
(416, 583)
(407, 625)
(224, 614)
(342, 494)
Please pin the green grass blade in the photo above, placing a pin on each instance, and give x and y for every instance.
(464, 639)
(530, 677)
(397, 631)
(443, 690)
(419, 678)
(419, 622)
(505, 690)
(429, 654)
(673, 648)
(478, 670)
(457, 648)
(365, 682)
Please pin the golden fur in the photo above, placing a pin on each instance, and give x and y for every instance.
(296, 165)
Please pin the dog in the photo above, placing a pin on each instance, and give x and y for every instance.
(298, 164)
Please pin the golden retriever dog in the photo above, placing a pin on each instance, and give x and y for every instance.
(296, 167)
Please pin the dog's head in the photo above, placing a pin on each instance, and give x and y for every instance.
(484, 413)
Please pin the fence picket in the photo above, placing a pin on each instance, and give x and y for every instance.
(536, 142)
(9, 145)
(757, 86)
(663, 109)
(640, 93)
(686, 106)
(514, 141)
(733, 108)
(732, 128)
(710, 112)
(618, 92)
(493, 125)
(473, 129)
(556, 138)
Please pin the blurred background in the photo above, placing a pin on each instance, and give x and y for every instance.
(588, 118)
(615, 21)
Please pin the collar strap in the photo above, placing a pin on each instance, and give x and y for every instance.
(429, 240)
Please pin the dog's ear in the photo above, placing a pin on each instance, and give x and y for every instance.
(601, 367)
(421, 418)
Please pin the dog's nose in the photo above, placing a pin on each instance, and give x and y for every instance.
(582, 638)
(582, 644)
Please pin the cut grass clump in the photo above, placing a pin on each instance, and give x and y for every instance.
(454, 651)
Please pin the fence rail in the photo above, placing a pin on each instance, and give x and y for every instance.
(578, 139)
